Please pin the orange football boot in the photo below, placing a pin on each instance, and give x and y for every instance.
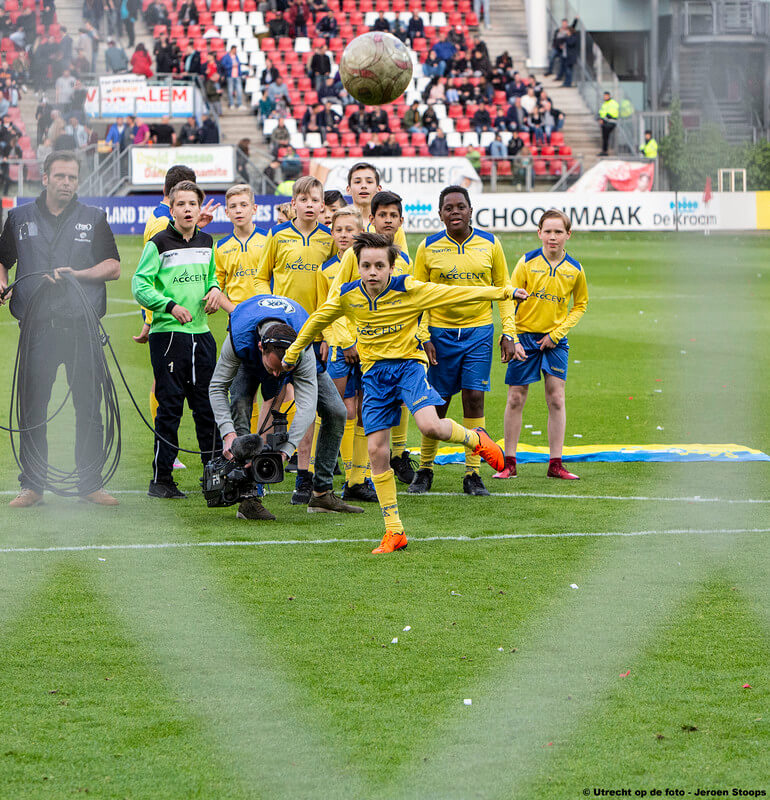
(391, 541)
(489, 450)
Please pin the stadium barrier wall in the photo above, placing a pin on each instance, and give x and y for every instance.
(614, 211)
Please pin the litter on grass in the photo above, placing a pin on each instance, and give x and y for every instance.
(536, 433)
(456, 594)
(468, 701)
(747, 686)
(659, 428)
(577, 435)
(625, 674)
(573, 586)
(394, 640)
(408, 628)
(102, 559)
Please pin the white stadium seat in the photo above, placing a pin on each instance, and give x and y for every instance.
(471, 139)
(447, 125)
(238, 18)
(268, 126)
(454, 140)
(438, 19)
(221, 18)
(313, 139)
(486, 137)
(296, 140)
(244, 32)
(302, 44)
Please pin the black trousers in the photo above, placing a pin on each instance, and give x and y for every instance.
(607, 129)
(183, 364)
(50, 346)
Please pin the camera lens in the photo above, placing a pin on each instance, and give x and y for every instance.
(265, 470)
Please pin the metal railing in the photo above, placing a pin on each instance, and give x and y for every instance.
(593, 76)
(725, 18)
(109, 177)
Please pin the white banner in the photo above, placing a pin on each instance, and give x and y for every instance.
(213, 164)
(147, 100)
(402, 175)
(605, 211)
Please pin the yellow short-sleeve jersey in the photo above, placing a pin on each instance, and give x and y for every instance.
(237, 262)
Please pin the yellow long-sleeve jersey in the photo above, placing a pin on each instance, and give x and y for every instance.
(399, 238)
(386, 326)
(237, 262)
(290, 260)
(550, 287)
(477, 261)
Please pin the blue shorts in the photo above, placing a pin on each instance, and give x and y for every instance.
(464, 359)
(337, 367)
(553, 361)
(317, 351)
(390, 384)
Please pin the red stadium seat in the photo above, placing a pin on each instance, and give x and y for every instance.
(471, 20)
(455, 111)
(320, 152)
(332, 139)
(503, 166)
(298, 111)
(364, 137)
(194, 31)
(547, 150)
(564, 150)
(216, 5)
(355, 152)
(282, 151)
(431, 6)
(285, 43)
(408, 151)
(423, 151)
(303, 152)
(557, 138)
(158, 31)
(462, 125)
(338, 152)
(524, 136)
(233, 5)
(176, 31)
(348, 139)
(249, 5)
(486, 165)
(499, 98)
(461, 151)
(267, 44)
(419, 140)
(304, 84)
(538, 167)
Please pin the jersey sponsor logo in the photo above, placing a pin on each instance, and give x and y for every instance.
(380, 330)
(83, 226)
(455, 274)
(300, 265)
(187, 277)
(276, 303)
(552, 298)
(242, 272)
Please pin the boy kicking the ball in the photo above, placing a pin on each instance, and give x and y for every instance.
(551, 277)
(385, 310)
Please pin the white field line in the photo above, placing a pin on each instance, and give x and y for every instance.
(611, 497)
(79, 548)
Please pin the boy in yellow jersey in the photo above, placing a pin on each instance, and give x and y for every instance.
(363, 184)
(333, 201)
(237, 254)
(343, 364)
(459, 339)
(385, 310)
(550, 276)
(292, 254)
(387, 218)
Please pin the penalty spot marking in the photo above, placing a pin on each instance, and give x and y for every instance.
(80, 548)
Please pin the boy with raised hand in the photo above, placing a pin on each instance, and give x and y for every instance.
(386, 310)
(176, 280)
(459, 339)
(292, 254)
(363, 184)
(343, 364)
(551, 277)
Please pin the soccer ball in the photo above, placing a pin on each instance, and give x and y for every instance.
(376, 68)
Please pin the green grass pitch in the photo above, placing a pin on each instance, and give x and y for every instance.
(271, 670)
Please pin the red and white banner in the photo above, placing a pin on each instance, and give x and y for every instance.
(121, 97)
(620, 176)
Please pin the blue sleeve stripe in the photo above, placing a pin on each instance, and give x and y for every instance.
(433, 238)
(484, 234)
(533, 254)
(348, 287)
(575, 263)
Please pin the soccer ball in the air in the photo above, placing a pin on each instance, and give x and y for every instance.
(376, 68)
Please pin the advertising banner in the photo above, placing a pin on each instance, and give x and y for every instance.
(119, 96)
(212, 163)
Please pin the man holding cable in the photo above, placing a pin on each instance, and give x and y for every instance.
(68, 241)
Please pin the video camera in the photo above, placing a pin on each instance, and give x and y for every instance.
(228, 481)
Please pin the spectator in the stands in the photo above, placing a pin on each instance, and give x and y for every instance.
(430, 120)
(310, 121)
(445, 51)
(44, 149)
(416, 27)
(166, 54)
(411, 120)
(188, 133)
(500, 123)
(268, 74)
(327, 26)
(516, 88)
(436, 91)
(65, 88)
(516, 116)
(8, 150)
(278, 26)
(56, 128)
(129, 11)
(297, 16)
(163, 132)
(480, 63)
(141, 63)
(327, 119)
(154, 14)
(497, 148)
(504, 61)
(556, 56)
(208, 133)
(535, 122)
(381, 24)
(27, 21)
(318, 7)
(553, 119)
(571, 50)
(187, 14)
(278, 89)
(452, 94)
(115, 133)
(399, 30)
(142, 134)
(459, 65)
(319, 67)
(280, 136)
(390, 147)
(439, 146)
(273, 172)
(115, 57)
(79, 132)
(81, 65)
(482, 119)
(457, 37)
(191, 63)
(233, 70)
(265, 106)
(214, 85)
(373, 148)
(357, 120)
(6, 26)
(515, 144)
(43, 117)
(127, 137)
(79, 99)
(291, 166)
(529, 100)
(329, 91)
(377, 120)
(432, 67)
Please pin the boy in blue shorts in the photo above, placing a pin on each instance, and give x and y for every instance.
(459, 338)
(542, 322)
(385, 310)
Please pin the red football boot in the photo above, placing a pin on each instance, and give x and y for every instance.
(556, 470)
(509, 470)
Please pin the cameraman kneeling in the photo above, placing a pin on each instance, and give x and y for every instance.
(261, 328)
